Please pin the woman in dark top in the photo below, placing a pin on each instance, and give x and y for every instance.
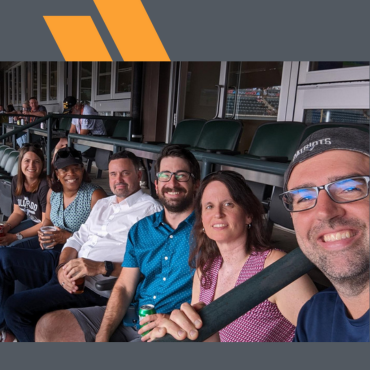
(29, 189)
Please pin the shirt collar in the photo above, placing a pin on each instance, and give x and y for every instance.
(160, 217)
(131, 200)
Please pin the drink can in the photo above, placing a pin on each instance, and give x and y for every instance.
(11, 119)
(42, 125)
(22, 121)
(2, 229)
(18, 122)
(147, 309)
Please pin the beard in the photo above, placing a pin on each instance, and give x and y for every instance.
(121, 193)
(176, 205)
(349, 267)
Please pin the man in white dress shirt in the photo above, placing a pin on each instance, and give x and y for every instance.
(95, 252)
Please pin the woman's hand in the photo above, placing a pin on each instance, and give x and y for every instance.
(53, 238)
(182, 323)
(8, 239)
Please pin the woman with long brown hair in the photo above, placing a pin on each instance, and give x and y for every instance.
(231, 247)
(29, 189)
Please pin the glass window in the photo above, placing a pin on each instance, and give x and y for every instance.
(201, 92)
(104, 113)
(323, 66)
(26, 69)
(356, 116)
(121, 114)
(44, 77)
(34, 79)
(85, 81)
(15, 77)
(19, 85)
(123, 77)
(254, 89)
(104, 78)
(74, 78)
(10, 87)
(53, 81)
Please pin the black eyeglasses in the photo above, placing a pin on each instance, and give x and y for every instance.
(340, 191)
(181, 176)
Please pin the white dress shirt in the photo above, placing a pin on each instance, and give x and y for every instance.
(104, 235)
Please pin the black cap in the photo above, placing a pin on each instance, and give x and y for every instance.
(67, 157)
(68, 103)
(339, 138)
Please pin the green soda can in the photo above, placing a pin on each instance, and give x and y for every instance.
(147, 309)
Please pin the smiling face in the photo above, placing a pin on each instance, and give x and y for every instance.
(70, 177)
(174, 195)
(223, 220)
(124, 180)
(34, 105)
(335, 237)
(31, 166)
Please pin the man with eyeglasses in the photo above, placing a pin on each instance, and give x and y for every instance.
(155, 267)
(327, 192)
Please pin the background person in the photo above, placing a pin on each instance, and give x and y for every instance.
(29, 190)
(231, 247)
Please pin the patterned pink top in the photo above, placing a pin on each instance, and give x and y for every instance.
(264, 323)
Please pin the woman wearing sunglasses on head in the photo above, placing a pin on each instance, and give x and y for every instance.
(29, 189)
(230, 248)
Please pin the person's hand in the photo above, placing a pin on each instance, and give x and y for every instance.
(8, 239)
(152, 321)
(80, 267)
(66, 283)
(59, 236)
(182, 323)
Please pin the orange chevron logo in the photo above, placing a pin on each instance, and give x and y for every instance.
(126, 20)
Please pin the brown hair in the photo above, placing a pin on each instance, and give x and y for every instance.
(56, 185)
(35, 148)
(205, 250)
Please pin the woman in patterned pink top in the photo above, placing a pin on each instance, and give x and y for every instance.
(231, 247)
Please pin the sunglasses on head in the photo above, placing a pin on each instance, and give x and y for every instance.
(67, 153)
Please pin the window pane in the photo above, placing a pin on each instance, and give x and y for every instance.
(121, 114)
(254, 89)
(43, 71)
(10, 87)
(104, 78)
(14, 98)
(26, 70)
(355, 116)
(322, 66)
(19, 85)
(123, 78)
(74, 78)
(86, 69)
(34, 79)
(53, 80)
(85, 81)
(104, 113)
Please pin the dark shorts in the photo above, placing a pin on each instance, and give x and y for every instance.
(90, 319)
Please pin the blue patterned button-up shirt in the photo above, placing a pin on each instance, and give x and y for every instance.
(161, 254)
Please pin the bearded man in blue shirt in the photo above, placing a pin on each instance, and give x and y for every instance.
(157, 250)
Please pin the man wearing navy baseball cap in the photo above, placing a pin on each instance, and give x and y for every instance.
(326, 189)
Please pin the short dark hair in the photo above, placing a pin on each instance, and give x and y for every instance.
(32, 97)
(125, 154)
(174, 150)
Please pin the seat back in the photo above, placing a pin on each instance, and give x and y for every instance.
(123, 129)
(65, 124)
(2, 150)
(279, 139)
(319, 126)
(14, 170)
(13, 156)
(110, 125)
(102, 159)
(277, 212)
(5, 157)
(187, 132)
(220, 134)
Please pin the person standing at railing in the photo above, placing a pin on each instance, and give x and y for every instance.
(230, 248)
(29, 190)
(332, 229)
(81, 126)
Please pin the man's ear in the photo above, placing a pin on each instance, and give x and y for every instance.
(156, 186)
(139, 175)
(196, 186)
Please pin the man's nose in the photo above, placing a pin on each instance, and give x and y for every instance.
(326, 208)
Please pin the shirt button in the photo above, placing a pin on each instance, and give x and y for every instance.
(164, 279)
(166, 258)
(154, 296)
(171, 236)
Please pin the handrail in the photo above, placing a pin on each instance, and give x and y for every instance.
(249, 294)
